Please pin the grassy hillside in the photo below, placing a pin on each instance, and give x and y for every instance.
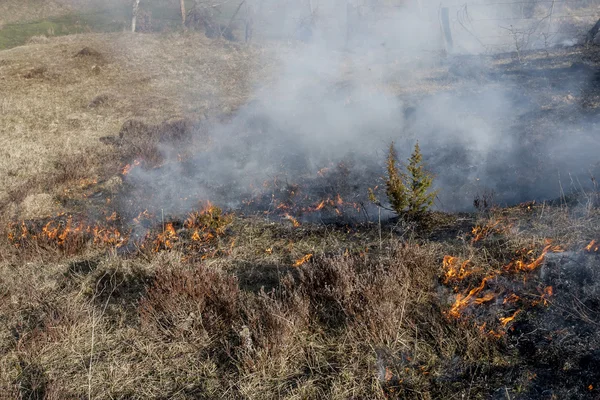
(499, 303)
(56, 104)
(22, 20)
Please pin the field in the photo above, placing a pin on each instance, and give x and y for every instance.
(176, 224)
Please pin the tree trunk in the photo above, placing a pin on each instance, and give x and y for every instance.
(136, 6)
(182, 3)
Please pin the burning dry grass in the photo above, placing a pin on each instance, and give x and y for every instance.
(339, 315)
(215, 305)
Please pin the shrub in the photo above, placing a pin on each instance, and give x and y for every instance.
(181, 302)
(396, 190)
(419, 182)
(407, 192)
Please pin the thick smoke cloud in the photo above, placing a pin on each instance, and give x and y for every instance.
(334, 102)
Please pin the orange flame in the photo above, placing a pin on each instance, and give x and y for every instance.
(592, 247)
(456, 272)
(548, 292)
(463, 301)
(485, 299)
(303, 260)
(127, 169)
(196, 236)
(481, 232)
(504, 321)
(166, 238)
(521, 265)
(513, 298)
(294, 220)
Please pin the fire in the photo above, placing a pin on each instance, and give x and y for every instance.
(504, 321)
(65, 232)
(303, 260)
(481, 232)
(141, 216)
(547, 292)
(70, 233)
(513, 298)
(295, 222)
(522, 265)
(455, 272)
(592, 247)
(166, 239)
(526, 261)
(127, 169)
(485, 299)
(108, 237)
(463, 301)
(196, 236)
(283, 206)
(320, 206)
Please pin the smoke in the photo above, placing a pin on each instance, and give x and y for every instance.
(341, 97)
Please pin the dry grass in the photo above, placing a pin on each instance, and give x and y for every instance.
(22, 11)
(55, 106)
(360, 319)
(363, 317)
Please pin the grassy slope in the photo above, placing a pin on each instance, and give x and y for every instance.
(363, 319)
(22, 20)
(47, 92)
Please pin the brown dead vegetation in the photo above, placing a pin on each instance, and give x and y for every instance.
(59, 102)
(269, 310)
(359, 319)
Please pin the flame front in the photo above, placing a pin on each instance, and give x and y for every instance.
(295, 222)
(455, 271)
(592, 247)
(506, 320)
(303, 260)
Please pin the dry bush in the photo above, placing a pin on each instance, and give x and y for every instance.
(139, 140)
(202, 302)
(372, 326)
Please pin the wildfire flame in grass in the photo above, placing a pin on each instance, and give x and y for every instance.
(196, 236)
(64, 231)
(303, 260)
(127, 169)
(592, 247)
(456, 272)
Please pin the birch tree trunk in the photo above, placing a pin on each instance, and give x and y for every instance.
(136, 6)
(182, 3)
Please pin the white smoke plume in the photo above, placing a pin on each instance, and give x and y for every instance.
(342, 97)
